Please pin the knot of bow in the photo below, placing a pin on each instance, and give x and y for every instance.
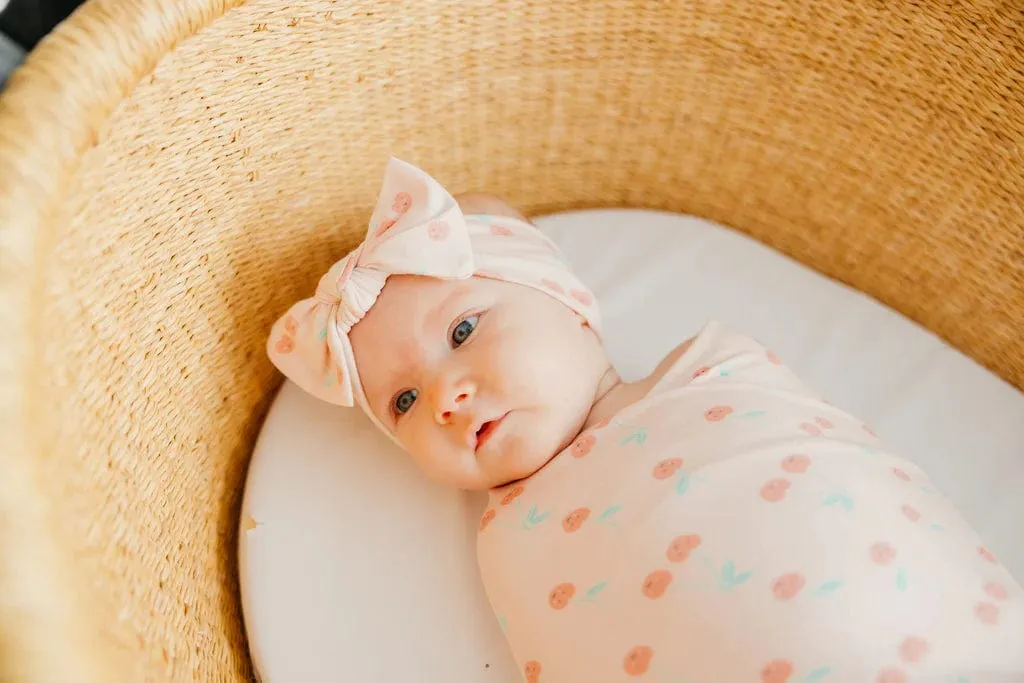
(416, 228)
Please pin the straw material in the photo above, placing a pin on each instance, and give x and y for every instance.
(173, 174)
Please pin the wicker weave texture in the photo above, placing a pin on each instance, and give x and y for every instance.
(173, 175)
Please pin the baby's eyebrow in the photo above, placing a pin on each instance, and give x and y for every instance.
(400, 366)
(444, 304)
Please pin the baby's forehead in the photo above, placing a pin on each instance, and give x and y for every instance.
(405, 305)
(405, 297)
(420, 285)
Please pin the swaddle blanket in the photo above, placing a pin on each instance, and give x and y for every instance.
(733, 526)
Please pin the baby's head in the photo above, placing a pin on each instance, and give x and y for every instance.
(470, 344)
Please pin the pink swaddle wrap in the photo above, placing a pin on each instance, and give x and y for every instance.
(417, 228)
(733, 527)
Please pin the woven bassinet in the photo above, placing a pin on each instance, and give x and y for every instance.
(173, 174)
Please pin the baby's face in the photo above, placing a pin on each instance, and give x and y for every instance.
(481, 381)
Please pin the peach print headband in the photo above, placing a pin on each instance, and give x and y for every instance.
(417, 228)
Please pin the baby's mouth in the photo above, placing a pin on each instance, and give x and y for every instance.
(483, 434)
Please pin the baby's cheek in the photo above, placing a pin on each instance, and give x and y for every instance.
(515, 373)
(560, 372)
(524, 449)
(424, 442)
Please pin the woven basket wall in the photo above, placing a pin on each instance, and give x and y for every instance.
(173, 174)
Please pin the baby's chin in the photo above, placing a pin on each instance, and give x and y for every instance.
(528, 441)
(518, 457)
(497, 470)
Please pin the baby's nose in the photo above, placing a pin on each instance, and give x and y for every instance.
(451, 398)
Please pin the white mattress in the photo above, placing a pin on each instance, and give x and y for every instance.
(354, 568)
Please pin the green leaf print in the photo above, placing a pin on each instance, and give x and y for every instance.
(829, 587)
(817, 675)
(638, 435)
(532, 518)
(503, 622)
(729, 577)
(606, 516)
(591, 595)
(839, 499)
(323, 334)
(752, 413)
(901, 580)
(683, 485)
(741, 578)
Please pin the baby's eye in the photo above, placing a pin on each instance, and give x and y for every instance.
(404, 401)
(464, 329)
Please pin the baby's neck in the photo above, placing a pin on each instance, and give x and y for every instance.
(612, 396)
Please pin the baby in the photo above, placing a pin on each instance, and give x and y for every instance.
(716, 521)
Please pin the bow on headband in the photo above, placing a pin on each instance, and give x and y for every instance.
(417, 228)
